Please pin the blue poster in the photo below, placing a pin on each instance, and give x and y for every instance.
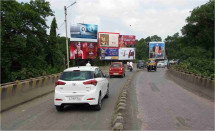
(109, 54)
(83, 32)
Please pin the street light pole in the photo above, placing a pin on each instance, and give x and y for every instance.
(67, 50)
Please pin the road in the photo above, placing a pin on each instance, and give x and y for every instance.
(40, 114)
(157, 103)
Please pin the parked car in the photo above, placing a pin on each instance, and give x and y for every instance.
(117, 69)
(151, 65)
(161, 64)
(81, 85)
(141, 64)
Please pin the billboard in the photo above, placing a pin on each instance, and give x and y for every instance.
(83, 32)
(126, 53)
(83, 50)
(127, 40)
(109, 54)
(156, 50)
(110, 40)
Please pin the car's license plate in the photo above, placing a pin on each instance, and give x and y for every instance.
(74, 98)
(115, 73)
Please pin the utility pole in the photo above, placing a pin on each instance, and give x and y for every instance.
(67, 50)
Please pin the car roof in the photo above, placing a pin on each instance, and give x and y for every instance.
(116, 63)
(82, 68)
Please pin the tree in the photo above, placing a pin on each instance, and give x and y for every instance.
(23, 37)
(156, 38)
(196, 47)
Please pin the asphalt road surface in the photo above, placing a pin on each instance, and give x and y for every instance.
(40, 114)
(157, 103)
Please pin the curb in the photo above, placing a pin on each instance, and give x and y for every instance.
(120, 107)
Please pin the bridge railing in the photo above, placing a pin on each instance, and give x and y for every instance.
(21, 91)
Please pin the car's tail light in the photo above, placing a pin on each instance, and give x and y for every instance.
(121, 69)
(93, 82)
(91, 99)
(58, 99)
(59, 83)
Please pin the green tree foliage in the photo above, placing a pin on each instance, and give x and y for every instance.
(24, 42)
(153, 38)
(142, 52)
(196, 47)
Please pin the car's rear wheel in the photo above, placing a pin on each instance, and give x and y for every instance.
(59, 108)
(99, 105)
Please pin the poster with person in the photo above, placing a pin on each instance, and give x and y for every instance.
(127, 41)
(108, 40)
(83, 50)
(157, 50)
(126, 53)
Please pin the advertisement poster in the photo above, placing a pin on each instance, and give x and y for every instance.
(110, 40)
(126, 53)
(83, 32)
(109, 54)
(83, 50)
(156, 50)
(127, 40)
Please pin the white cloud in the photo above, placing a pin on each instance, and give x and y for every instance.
(146, 17)
(89, 19)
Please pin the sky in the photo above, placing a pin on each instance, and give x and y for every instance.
(141, 18)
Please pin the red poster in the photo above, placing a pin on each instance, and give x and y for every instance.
(83, 50)
(127, 40)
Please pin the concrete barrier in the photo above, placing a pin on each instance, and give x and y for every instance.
(202, 86)
(18, 92)
(120, 107)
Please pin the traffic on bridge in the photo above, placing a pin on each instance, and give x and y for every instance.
(107, 65)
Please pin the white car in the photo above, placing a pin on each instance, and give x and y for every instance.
(81, 85)
(161, 64)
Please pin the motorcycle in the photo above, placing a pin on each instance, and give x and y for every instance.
(130, 68)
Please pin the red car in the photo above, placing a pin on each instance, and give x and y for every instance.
(117, 69)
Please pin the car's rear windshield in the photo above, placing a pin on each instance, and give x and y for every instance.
(116, 65)
(76, 75)
(151, 61)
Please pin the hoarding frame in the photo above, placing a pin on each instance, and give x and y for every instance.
(83, 39)
(110, 55)
(134, 56)
(164, 49)
(95, 48)
(108, 33)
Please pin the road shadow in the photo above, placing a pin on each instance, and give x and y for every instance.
(82, 107)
